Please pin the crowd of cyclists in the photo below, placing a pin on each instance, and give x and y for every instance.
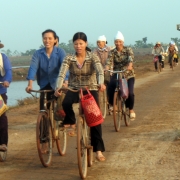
(53, 69)
(160, 54)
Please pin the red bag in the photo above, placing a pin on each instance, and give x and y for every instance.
(124, 88)
(91, 110)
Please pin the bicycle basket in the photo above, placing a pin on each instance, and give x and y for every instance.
(124, 88)
(91, 110)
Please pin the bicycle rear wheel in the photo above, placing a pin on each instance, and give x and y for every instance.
(103, 103)
(44, 139)
(3, 155)
(61, 139)
(81, 148)
(117, 113)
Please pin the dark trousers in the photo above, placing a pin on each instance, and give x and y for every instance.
(4, 124)
(160, 61)
(112, 87)
(50, 95)
(96, 131)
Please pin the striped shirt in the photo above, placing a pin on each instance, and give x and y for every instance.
(89, 73)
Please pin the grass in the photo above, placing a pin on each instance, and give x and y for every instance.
(25, 101)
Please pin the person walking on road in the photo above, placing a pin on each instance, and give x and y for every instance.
(85, 69)
(6, 78)
(120, 58)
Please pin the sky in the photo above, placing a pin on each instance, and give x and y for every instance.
(23, 21)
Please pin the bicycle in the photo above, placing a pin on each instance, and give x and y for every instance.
(120, 111)
(159, 64)
(48, 131)
(84, 148)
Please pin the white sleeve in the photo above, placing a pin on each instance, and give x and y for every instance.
(176, 48)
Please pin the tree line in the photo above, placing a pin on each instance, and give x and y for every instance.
(68, 47)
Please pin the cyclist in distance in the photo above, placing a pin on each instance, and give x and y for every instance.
(85, 69)
(172, 51)
(121, 57)
(158, 51)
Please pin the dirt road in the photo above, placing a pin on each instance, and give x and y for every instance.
(148, 149)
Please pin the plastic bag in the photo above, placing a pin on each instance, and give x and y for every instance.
(59, 113)
(124, 88)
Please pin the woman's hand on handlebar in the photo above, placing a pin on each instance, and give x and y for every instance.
(102, 87)
(28, 89)
(58, 92)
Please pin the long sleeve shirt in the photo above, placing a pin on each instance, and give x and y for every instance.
(46, 69)
(167, 50)
(102, 54)
(120, 60)
(81, 76)
(8, 73)
(158, 51)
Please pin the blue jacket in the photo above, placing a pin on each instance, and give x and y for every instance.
(8, 73)
(46, 69)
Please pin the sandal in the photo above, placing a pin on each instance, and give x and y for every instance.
(132, 116)
(100, 158)
(3, 148)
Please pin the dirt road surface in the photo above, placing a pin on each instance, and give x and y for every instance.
(147, 150)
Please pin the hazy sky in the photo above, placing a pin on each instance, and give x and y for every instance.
(23, 21)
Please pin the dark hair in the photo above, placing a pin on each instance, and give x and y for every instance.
(51, 31)
(57, 37)
(82, 36)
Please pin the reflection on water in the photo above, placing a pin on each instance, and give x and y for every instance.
(17, 91)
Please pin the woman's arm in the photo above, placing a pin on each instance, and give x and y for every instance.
(62, 72)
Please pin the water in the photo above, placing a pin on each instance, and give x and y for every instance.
(16, 91)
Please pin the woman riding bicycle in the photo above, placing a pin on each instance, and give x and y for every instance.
(158, 51)
(172, 52)
(122, 58)
(85, 69)
(102, 52)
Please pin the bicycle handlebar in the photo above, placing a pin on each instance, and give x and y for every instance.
(77, 90)
(39, 91)
(115, 72)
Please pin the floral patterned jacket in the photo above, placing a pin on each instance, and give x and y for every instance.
(118, 61)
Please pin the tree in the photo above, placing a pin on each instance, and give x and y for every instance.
(176, 40)
(144, 40)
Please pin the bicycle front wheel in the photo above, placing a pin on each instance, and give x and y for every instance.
(125, 114)
(117, 113)
(81, 148)
(44, 139)
(103, 103)
(3, 155)
(61, 139)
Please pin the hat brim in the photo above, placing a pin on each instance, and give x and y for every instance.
(1, 45)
